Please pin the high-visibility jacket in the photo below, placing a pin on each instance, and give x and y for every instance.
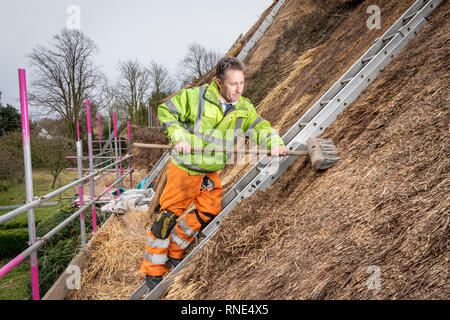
(195, 115)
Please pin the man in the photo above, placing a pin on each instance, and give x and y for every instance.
(211, 116)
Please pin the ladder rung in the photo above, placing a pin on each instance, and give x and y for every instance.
(345, 81)
(410, 16)
(324, 102)
(237, 191)
(368, 59)
(389, 37)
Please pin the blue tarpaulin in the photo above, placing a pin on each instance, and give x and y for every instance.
(141, 183)
(122, 190)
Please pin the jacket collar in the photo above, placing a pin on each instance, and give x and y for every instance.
(213, 96)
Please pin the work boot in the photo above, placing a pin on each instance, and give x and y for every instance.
(152, 281)
(174, 261)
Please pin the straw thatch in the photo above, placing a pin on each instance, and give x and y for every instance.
(111, 270)
(146, 158)
(384, 207)
(321, 235)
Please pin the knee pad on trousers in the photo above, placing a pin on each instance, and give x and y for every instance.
(164, 223)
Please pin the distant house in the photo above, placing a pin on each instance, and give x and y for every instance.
(44, 134)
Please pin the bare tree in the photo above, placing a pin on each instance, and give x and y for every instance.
(51, 152)
(108, 96)
(133, 87)
(197, 61)
(64, 76)
(163, 84)
(109, 101)
(161, 80)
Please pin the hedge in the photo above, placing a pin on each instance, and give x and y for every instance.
(13, 242)
(57, 251)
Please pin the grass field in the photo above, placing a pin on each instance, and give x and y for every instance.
(42, 181)
(14, 286)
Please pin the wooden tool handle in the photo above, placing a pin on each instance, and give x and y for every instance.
(266, 152)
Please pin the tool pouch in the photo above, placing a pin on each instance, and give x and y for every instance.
(207, 183)
(163, 224)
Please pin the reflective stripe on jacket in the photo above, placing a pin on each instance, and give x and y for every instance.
(195, 115)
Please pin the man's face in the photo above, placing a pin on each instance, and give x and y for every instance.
(233, 85)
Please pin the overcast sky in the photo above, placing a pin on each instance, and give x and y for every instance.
(142, 29)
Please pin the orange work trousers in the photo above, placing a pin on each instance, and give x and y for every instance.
(180, 190)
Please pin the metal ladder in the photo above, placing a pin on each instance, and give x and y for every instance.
(312, 123)
(108, 144)
(156, 169)
(260, 31)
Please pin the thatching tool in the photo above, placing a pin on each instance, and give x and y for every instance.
(322, 152)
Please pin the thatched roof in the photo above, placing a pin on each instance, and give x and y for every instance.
(321, 235)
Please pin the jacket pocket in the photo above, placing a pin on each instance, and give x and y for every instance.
(209, 119)
(210, 113)
(241, 113)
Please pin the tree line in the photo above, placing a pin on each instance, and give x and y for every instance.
(63, 75)
(48, 151)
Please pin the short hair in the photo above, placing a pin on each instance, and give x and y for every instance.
(228, 63)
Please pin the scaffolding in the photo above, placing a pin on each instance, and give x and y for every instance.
(85, 176)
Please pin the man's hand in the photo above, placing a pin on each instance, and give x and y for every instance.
(277, 151)
(182, 146)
